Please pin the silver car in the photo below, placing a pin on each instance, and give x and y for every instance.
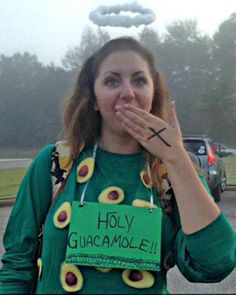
(213, 166)
(223, 150)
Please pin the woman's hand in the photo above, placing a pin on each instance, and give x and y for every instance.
(160, 138)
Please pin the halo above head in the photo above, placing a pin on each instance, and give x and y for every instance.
(109, 15)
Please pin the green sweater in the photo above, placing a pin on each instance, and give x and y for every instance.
(207, 255)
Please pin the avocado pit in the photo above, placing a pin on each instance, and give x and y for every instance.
(71, 279)
(83, 171)
(62, 216)
(135, 276)
(113, 195)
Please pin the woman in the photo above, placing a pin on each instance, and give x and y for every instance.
(125, 149)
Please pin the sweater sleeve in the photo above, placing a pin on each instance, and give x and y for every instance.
(208, 255)
(20, 239)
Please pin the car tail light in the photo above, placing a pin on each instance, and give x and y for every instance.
(211, 158)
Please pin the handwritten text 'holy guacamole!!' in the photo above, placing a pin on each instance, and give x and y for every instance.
(112, 230)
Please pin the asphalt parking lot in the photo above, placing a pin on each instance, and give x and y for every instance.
(179, 285)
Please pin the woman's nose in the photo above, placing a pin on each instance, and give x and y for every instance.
(127, 92)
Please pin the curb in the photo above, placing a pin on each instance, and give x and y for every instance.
(230, 188)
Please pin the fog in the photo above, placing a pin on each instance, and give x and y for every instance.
(49, 28)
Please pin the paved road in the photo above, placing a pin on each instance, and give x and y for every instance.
(14, 163)
(176, 282)
(179, 285)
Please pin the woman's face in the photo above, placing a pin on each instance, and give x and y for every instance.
(123, 77)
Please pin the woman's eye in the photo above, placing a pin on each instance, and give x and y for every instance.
(111, 82)
(140, 81)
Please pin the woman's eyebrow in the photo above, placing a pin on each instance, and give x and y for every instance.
(139, 72)
(118, 74)
(111, 72)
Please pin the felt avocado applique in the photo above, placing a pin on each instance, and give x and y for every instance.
(62, 216)
(111, 195)
(145, 179)
(143, 203)
(85, 170)
(103, 269)
(71, 277)
(138, 279)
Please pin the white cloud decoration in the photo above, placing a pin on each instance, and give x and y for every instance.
(109, 15)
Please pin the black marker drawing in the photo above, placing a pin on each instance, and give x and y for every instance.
(157, 133)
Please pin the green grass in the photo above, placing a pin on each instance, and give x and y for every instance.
(11, 178)
(9, 182)
(230, 167)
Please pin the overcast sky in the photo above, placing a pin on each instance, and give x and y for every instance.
(48, 28)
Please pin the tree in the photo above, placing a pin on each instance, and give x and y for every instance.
(150, 39)
(30, 99)
(90, 42)
(225, 53)
(221, 99)
(52, 88)
(185, 60)
(18, 79)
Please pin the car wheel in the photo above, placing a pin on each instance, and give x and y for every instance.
(223, 183)
(216, 193)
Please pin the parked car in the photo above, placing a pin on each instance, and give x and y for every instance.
(223, 150)
(213, 166)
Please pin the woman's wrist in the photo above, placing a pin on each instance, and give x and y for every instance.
(178, 157)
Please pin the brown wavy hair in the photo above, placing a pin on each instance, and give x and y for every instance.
(82, 124)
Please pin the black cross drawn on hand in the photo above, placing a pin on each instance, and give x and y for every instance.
(157, 133)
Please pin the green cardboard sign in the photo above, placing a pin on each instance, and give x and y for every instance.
(119, 236)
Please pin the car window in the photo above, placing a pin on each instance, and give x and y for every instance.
(198, 147)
